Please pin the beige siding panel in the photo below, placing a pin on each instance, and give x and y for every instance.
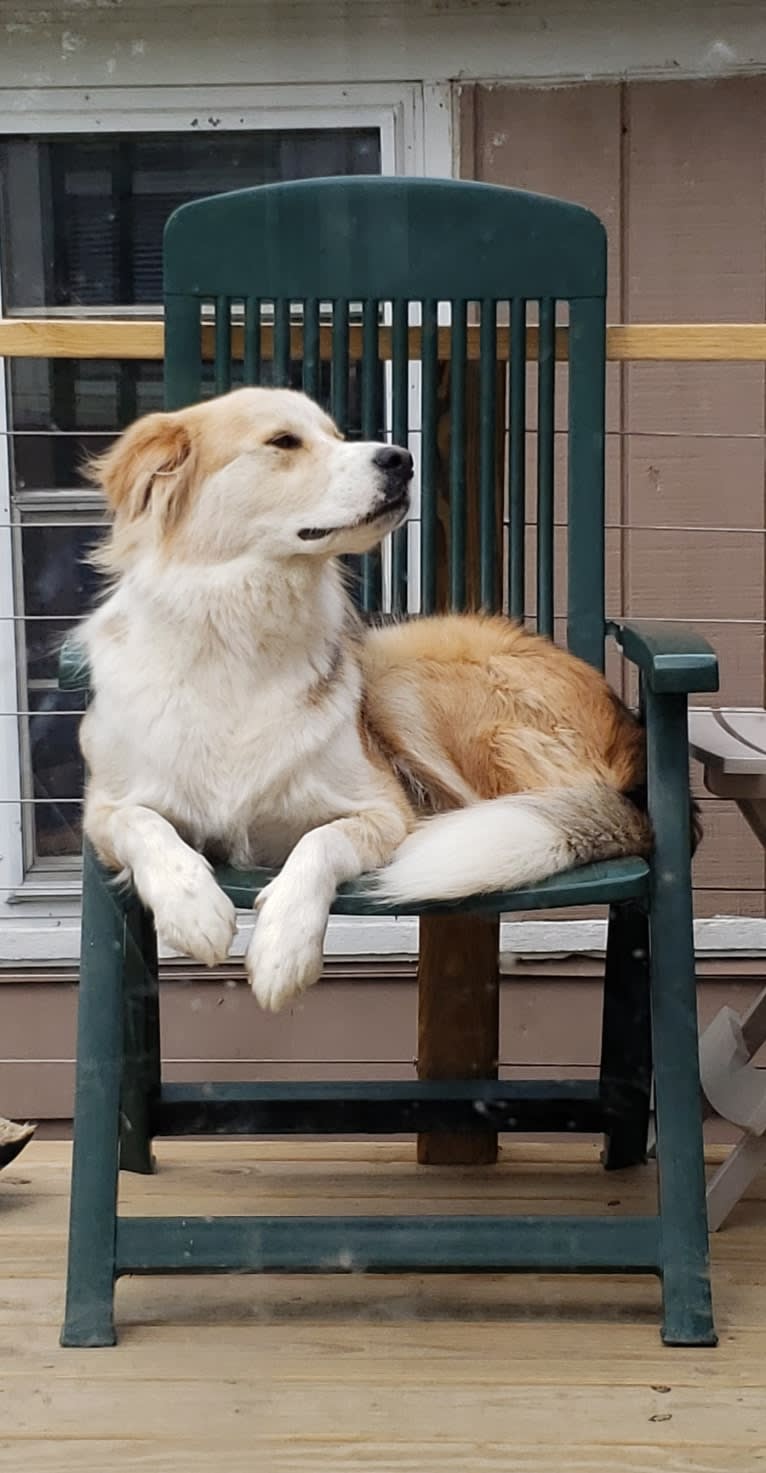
(694, 575)
(740, 650)
(694, 398)
(750, 903)
(695, 458)
(694, 232)
(730, 856)
(697, 211)
(562, 141)
(695, 481)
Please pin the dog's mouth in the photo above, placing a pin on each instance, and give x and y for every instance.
(394, 506)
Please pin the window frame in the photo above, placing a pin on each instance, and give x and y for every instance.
(39, 908)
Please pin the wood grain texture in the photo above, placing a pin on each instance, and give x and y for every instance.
(400, 1374)
(52, 337)
(357, 1455)
(458, 1021)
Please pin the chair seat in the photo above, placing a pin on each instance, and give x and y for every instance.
(589, 884)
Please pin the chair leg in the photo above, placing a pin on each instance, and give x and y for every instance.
(678, 1096)
(93, 1208)
(141, 1062)
(626, 1046)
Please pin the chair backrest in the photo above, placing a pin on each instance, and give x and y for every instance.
(347, 284)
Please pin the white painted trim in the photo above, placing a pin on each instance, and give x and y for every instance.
(438, 150)
(250, 109)
(207, 45)
(11, 845)
(26, 941)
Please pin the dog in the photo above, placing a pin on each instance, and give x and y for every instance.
(241, 713)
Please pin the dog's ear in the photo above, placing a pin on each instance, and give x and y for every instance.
(150, 469)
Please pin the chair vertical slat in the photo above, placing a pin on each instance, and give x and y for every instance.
(222, 345)
(252, 354)
(487, 413)
(585, 482)
(457, 501)
(372, 588)
(311, 363)
(546, 383)
(281, 342)
(183, 351)
(428, 458)
(400, 389)
(339, 391)
(517, 460)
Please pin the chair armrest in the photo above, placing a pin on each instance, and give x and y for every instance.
(74, 669)
(673, 659)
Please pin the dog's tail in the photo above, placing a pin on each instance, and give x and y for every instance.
(507, 843)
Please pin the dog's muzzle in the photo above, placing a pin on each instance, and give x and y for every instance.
(396, 468)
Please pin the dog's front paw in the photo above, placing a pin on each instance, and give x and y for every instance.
(286, 953)
(191, 912)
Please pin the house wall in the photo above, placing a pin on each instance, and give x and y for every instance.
(150, 42)
(651, 113)
(351, 1026)
(677, 171)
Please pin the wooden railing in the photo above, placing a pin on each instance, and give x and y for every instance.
(635, 342)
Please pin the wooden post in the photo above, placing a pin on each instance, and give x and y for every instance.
(458, 976)
(458, 1023)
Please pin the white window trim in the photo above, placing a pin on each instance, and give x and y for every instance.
(39, 915)
(39, 923)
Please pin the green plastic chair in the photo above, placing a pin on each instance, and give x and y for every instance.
(361, 245)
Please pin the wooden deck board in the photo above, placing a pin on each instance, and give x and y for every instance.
(368, 1456)
(403, 1373)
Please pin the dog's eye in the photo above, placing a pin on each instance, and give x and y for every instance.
(285, 442)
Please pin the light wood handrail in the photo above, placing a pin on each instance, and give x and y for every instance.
(126, 338)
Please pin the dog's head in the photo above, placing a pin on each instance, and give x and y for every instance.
(254, 471)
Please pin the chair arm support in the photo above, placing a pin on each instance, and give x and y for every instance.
(673, 659)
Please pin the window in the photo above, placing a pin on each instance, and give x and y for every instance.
(81, 222)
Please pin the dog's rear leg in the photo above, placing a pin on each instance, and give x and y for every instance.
(286, 952)
(191, 912)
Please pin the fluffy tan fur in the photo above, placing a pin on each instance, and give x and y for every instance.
(494, 710)
(241, 712)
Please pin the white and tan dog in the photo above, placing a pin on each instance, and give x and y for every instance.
(241, 714)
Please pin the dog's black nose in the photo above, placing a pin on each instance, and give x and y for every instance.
(396, 463)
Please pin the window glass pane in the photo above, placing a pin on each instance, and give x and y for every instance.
(81, 223)
(54, 822)
(82, 218)
(59, 585)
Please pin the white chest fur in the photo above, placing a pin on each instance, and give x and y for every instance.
(242, 734)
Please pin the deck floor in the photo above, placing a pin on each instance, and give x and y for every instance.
(415, 1374)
